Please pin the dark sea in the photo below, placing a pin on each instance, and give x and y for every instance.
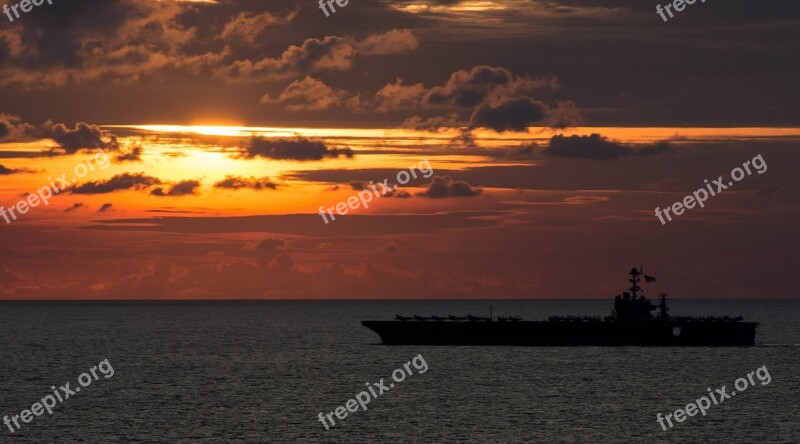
(261, 372)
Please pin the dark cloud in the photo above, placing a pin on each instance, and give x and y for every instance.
(143, 51)
(464, 138)
(237, 182)
(479, 87)
(357, 185)
(249, 28)
(398, 96)
(431, 123)
(307, 224)
(13, 129)
(400, 194)
(330, 53)
(445, 186)
(651, 150)
(127, 41)
(499, 100)
(6, 171)
(270, 244)
(116, 41)
(429, 3)
(298, 148)
(521, 153)
(483, 84)
(123, 181)
(680, 168)
(310, 94)
(134, 155)
(494, 92)
(509, 115)
(83, 136)
(105, 207)
(594, 147)
(75, 207)
(182, 188)
(597, 147)
(25, 154)
(395, 41)
(564, 115)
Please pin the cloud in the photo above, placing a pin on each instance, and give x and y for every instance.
(397, 96)
(400, 194)
(83, 136)
(597, 147)
(6, 171)
(464, 138)
(270, 244)
(75, 207)
(393, 42)
(106, 207)
(13, 129)
(498, 99)
(445, 186)
(237, 182)
(249, 28)
(128, 41)
(297, 148)
(306, 224)
(594, 147)
(509, 115)
(12, 40)
(357, 185)
(523, 152)
(484, 84)
(155, 44)
(134, 155)
(564, 115)
(331, 53)
(283, 262)
(431, 123)
(182, 188)
(119, 41)
(123, 181)
(310, 94)
(652, 150)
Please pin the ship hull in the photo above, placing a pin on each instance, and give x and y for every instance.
(548, 333)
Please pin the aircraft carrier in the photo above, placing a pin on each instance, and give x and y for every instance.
(632, 322)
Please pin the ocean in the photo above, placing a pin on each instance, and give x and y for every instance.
(261, 372)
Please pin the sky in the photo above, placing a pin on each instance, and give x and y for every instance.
(200, 149)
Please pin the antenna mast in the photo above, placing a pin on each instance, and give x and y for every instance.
(634, 280)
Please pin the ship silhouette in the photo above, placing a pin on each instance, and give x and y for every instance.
(632, 322)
